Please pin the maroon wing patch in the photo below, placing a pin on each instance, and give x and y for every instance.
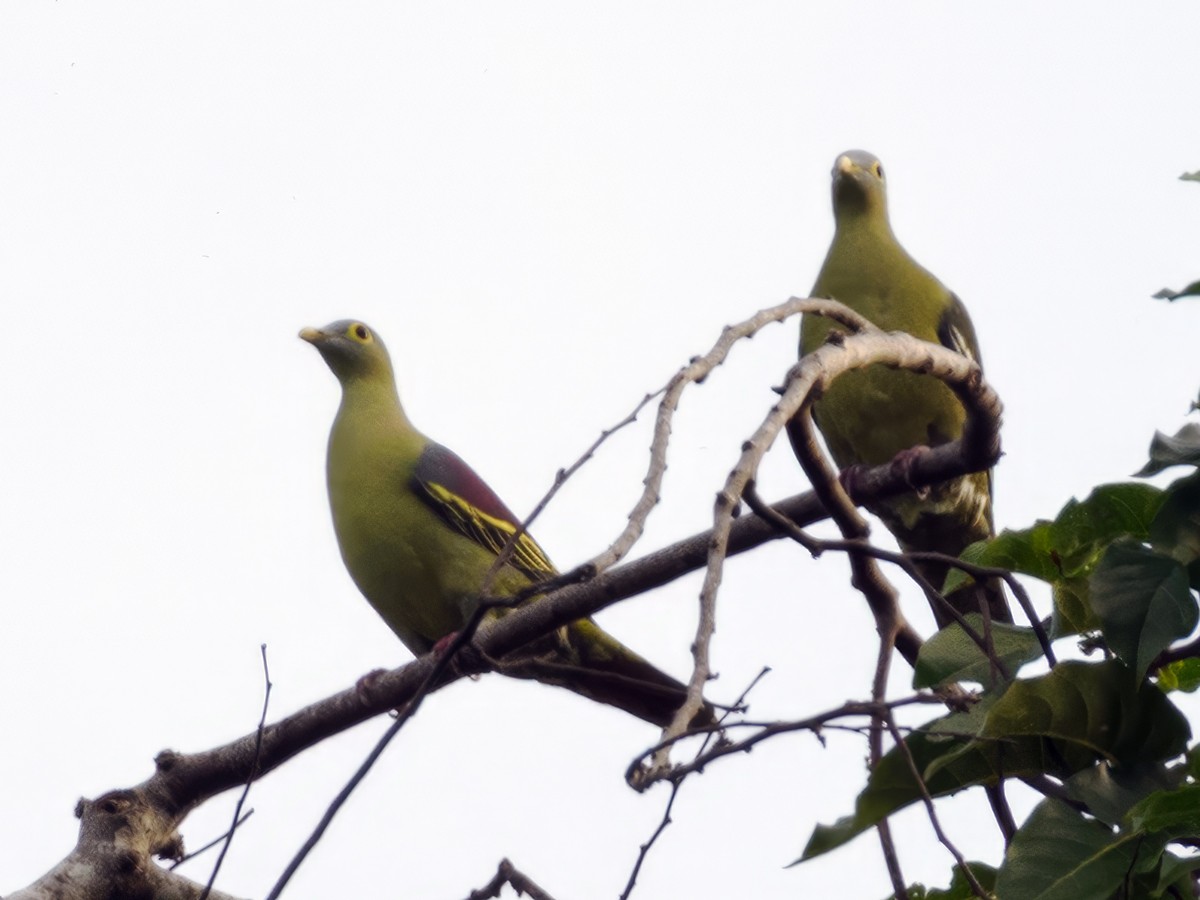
(464, 502)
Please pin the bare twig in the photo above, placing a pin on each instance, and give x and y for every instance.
(586, 570)
(218, 839)
(1014, 585)
(915, 770)
(978, 447)
(1175, 654)
(908, 642)
(441, 665)
(507, 873)
(814, 723)
(644, 850)
(237, 809)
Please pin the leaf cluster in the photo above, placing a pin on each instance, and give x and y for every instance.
(1123, 569)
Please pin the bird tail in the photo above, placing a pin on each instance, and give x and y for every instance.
(594, 664)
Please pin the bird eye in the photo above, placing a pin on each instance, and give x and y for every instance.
(879, 170)
(360, 332)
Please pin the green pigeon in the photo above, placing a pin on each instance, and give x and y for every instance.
(871, 416)
(419, 532)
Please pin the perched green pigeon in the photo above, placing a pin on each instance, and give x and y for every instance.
(419, 530)
(872, 416)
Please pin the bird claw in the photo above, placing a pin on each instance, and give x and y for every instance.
(851, 478)
(466, 659)
(365, 685)
(904, 461)
(442, 644)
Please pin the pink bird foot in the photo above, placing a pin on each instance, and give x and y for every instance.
(443, 643)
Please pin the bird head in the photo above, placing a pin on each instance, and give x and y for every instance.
(351, 349)
(858, 185)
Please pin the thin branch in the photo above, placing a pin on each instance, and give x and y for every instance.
(218, 839)
(644, 850)
(892, 860)
(906, 639)
(507, 873)
(927, 799)
(1189, 650)
(586, 570)
(442, 664)
(813, 723)
(979, 446)
(237, 809)
(982, 572)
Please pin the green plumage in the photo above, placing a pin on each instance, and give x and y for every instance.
(419, 531)
(869, 416)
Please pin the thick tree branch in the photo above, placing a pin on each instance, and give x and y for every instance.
(122, 830)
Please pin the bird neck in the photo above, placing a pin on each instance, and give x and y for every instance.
(863, 223)
(371, 413)
(867, 239)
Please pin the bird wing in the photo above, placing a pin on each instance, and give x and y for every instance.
(464, 502)
(956, 331)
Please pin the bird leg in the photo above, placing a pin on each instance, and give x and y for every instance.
(442, 644)
(851, 479)
(364, 685)
(902, 464)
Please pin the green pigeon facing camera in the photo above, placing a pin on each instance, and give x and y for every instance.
(871, 416)
(419, 532)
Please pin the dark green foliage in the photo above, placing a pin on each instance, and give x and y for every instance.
(960, 888)
(1192, 290)
(951, 656)
(1123, 566)
(1180, 449)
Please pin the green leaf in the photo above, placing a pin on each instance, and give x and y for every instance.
(1070, 545)
(1055, 724)
(1190, 176)
(1179, 449)
(1057, 854)
(1174, 877)
(1143, 602)
(1027, 551)
(960, 888)
(1097, 706)
(1176, 527)
(1084, 528)
(1181, 675)
(1192, 290)
(951, 656)
(1171, 813)
(950, 760)
(1072, 608)
(1110, 792)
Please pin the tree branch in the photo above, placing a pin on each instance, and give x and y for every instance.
(122, 830)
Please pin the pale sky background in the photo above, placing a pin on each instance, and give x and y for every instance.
(545, 209)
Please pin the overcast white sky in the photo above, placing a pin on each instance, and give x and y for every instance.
(545, 209)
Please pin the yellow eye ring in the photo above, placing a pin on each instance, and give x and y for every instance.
(359, 332)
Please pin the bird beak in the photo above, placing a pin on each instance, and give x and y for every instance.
(844, 165)
(312, 335)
